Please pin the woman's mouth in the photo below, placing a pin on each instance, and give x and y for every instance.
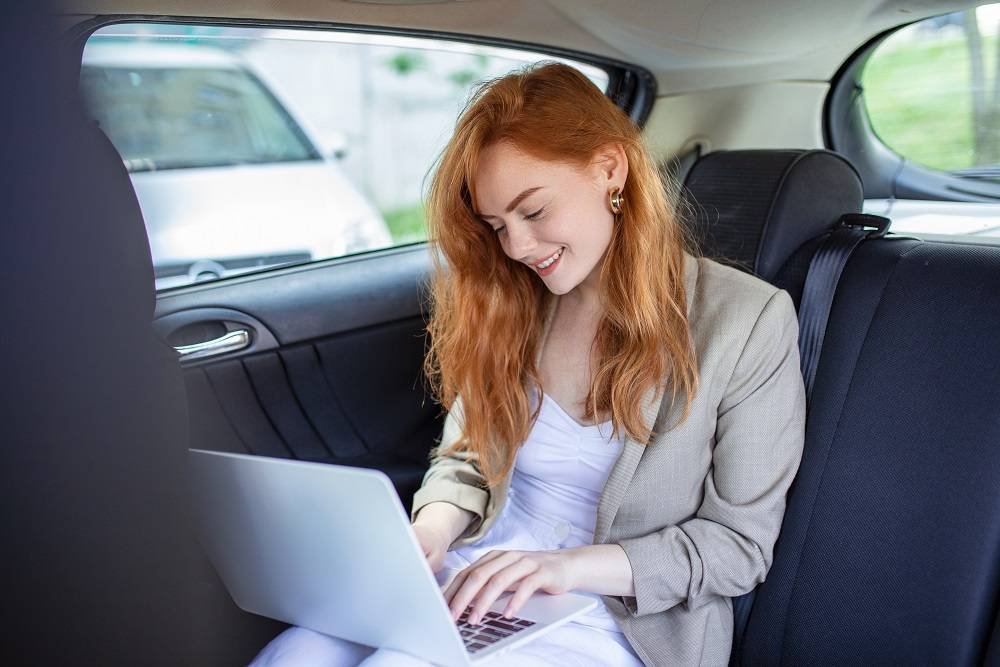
(550, 264)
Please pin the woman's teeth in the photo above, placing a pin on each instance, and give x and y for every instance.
(551, 259)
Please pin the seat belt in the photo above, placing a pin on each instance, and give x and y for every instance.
(825, 267)
(821, 284)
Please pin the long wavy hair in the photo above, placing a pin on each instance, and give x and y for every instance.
(487, 310)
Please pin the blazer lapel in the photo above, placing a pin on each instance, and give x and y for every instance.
(624, 468)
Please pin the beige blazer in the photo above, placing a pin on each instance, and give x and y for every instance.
(699, 509)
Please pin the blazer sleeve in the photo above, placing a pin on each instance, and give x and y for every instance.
(454, 478)
(727, 547)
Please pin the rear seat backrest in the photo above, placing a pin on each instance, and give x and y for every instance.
(890, 547)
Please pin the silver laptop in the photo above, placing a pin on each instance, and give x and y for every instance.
(330, 548)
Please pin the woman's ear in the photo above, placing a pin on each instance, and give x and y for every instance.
(611, 165)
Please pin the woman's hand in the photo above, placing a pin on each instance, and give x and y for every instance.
(524, 572)
(434, 543)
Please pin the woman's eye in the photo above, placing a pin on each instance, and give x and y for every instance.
(499, 230)
(534, 216)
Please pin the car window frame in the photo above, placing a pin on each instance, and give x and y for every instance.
(631, 87)
(885, 173)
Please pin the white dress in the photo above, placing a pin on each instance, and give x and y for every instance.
(559, 474)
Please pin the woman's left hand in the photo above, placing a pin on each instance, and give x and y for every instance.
(523, 572)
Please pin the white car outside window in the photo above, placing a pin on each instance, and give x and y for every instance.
(227, 179)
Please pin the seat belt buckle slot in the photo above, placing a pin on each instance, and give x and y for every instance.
(877, 223)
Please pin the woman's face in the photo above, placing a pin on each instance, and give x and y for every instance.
(540, 210)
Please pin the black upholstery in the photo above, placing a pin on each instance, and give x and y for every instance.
(324, 401)
(993, 652)
(102, 567)
(890, 547)
(753, 209)
(94, 417)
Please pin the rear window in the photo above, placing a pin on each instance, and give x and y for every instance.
(932, 94)
(931, 91)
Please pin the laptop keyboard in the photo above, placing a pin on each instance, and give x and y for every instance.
(492, 628)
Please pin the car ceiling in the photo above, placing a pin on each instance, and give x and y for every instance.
(690, 45)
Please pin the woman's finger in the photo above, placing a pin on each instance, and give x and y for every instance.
(505, 580)
(460, 578)
(479, 575)
(455, 584)
(529, 585)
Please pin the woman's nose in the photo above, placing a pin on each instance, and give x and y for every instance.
(520, 241)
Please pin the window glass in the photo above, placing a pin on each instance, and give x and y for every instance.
(932, 92)
(252, 148)
(186, 118)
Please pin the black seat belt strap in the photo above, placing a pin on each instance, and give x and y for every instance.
(821, 284)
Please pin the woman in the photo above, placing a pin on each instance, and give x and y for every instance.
(571, 302)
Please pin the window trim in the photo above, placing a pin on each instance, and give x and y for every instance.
(885, 173)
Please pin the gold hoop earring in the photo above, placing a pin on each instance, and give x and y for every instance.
(616, 201)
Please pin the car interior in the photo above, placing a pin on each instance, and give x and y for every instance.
(890, 548)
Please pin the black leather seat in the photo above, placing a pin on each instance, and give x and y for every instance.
(890, 547)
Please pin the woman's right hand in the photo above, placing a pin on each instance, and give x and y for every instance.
(434, 543)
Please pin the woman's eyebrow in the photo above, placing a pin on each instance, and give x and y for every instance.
(517, 200)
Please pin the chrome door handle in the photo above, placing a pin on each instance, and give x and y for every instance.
(232, 341)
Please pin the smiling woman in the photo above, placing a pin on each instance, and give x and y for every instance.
(567, 309)
(550, 147)
(544, 218)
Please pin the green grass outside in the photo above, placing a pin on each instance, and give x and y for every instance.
(919, 99)
(406, 224)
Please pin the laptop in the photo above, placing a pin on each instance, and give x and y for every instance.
(330, 548)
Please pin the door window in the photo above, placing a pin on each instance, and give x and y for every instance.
(253, 148)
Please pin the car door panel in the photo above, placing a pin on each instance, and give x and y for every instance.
(338, 378)
(316, 300)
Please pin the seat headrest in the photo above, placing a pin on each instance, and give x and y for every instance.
(753, 208)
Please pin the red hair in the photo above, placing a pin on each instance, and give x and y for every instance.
(487, 310)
